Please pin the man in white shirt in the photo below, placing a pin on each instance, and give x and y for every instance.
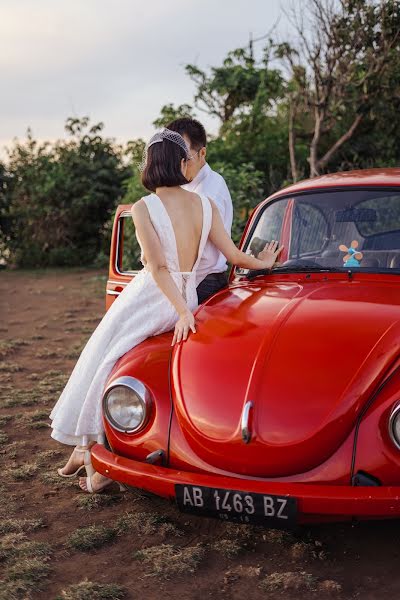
(212, 269)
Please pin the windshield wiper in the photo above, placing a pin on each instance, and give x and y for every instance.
(292, 269)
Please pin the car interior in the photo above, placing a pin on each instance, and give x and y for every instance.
(340, 229)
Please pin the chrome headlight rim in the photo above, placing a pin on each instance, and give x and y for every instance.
(142, 393)
(393, 416)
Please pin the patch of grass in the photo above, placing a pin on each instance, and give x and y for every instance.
(91, 319)
(166, 560)
(38, 425)
(46, 457)
(68, 314)
(37, 415)
(8, 347)
(33, 376)
(239, 536)
(3, 438)
(47, 353)
(20, 525)
(75, 351)
(94, 501)
(8, 503)
(8, 367)
(89, 538)
(227, 548)
(52, 478)
(15, 545)
(242, 532)
(307, 551)
(289, 581)
(20, 398)
(9, 542)
(4, 419)
(28, 571)
(23, 472)
(146, 524)
(53, 373)
(11, 450)
(14, 590)
(88, 590)
(35, 420)
(278, 536)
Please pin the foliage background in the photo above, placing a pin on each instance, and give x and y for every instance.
(277, 123)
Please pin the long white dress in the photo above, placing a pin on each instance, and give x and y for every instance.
(140, 311)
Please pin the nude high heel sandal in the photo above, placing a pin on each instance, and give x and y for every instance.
(81, 450)
(104, 485)
(88, 464)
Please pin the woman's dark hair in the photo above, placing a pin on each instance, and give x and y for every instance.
(193, 129)
(163, 166)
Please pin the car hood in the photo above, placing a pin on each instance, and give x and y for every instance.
(307, 355)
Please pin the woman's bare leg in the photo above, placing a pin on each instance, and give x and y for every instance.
(76, 459)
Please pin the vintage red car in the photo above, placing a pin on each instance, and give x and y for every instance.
(284, 407)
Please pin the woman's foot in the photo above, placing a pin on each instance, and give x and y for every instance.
(94, 484)
(75, 463)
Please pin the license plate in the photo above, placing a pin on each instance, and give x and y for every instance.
(241, 507)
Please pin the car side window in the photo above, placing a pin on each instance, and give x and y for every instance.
(269, 226)
(129, 249)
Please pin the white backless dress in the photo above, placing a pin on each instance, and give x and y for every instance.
(141, 311)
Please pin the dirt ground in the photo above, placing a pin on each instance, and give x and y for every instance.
(57, 542)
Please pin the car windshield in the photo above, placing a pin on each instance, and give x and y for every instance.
(347, 229)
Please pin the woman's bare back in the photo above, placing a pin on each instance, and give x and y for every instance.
(186, 214)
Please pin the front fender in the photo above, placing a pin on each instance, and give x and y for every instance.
(374, 451)
(148, 362)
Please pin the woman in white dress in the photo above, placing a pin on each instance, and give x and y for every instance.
(172, 226)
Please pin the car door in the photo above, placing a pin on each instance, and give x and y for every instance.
(124, 254)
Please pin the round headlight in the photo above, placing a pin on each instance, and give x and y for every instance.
(126, 404)
(394, 425)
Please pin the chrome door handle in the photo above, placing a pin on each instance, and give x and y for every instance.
(246, 433)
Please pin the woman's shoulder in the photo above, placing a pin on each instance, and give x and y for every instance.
(140, 206)
(195, 196)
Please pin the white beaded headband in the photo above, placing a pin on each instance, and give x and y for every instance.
(160, 136)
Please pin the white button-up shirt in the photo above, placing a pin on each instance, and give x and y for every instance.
(211, 184)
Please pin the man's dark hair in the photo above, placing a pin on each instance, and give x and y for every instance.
(163, 166)
(193, 129)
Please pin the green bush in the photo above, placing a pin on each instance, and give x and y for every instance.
(59, 197)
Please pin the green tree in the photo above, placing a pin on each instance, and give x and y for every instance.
(61, 196)
(4, 215)
(339, 68)
(169, 113)
(246, 95)
(246, 187)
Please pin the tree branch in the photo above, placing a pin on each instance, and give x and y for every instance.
(344, 138)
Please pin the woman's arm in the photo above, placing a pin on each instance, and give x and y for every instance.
(223, 242)
(156, 264)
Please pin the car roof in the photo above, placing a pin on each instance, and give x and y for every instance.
(363, 177)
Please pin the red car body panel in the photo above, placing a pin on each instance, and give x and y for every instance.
(329, 502)
(317, 354)
(289, 420)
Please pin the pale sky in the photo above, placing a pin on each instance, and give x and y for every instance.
(118, 61)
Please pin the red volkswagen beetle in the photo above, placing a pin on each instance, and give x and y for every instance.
(284, 407)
